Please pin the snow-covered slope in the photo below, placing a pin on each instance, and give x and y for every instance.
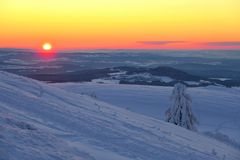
(39, 121)
(217, 108)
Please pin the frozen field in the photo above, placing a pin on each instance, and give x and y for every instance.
(40, 121)
(217, 108)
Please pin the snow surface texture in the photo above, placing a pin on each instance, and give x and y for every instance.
(217, 109)
(39, 121)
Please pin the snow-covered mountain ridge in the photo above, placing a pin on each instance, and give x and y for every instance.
(40, 121)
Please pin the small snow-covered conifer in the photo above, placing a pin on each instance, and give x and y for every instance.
(180, 113)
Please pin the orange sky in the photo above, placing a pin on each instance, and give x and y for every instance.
(93, 24)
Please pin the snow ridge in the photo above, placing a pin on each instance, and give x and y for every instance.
(39, 121)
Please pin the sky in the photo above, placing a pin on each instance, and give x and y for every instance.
(120, 24)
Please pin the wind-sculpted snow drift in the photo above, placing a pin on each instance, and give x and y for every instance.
(39, 121)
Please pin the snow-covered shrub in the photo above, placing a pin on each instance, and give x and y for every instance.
(93, 95)
(223, 138)
(20, 124)
(180, 113)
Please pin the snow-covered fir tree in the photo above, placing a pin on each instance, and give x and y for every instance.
(180, 113)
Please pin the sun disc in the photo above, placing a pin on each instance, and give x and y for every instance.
(47, 46)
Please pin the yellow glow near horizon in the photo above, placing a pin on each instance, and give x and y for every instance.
(116, 23)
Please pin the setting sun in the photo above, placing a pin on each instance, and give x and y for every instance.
(47, 46)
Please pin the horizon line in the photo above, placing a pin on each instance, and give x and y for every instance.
(133, 49)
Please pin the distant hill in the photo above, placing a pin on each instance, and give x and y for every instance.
(134, 75)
